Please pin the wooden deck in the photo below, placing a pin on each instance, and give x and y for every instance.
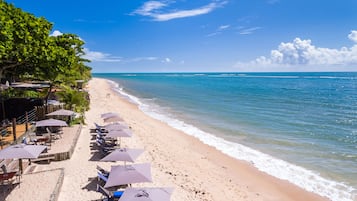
(9, 138)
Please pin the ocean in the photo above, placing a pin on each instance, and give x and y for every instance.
(301, 127)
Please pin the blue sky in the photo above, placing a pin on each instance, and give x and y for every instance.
(208, 35)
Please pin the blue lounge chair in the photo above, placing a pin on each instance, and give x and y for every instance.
(99, 128)
(109, 195)
(102, 174)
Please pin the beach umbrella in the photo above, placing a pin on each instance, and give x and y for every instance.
(61, 112)
(109, 114)
(119, 133)
(50, 122)
(124, 154)
(113, 119)
(22, 151)
(116, 126)
(136, 173)
(146, 194)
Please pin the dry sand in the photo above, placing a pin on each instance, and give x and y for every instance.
(195, 171)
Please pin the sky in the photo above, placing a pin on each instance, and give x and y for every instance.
(208, 35)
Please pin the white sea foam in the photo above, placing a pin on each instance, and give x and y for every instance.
(306, 179)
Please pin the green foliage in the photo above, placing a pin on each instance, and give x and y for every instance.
(8, 93)
(79, 120)
(12, 93)
(27, 51)
(74, 99)
(23, 39)
(27, 48)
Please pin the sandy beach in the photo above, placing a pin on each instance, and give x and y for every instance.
(195, 171)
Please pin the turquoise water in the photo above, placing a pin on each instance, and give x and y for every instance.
(301, 127)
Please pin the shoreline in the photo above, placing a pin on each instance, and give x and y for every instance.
(244, 181)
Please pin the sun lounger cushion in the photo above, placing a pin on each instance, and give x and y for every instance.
(102, 176)
(117, 194)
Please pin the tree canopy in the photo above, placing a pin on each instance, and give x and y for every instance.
(27, 49)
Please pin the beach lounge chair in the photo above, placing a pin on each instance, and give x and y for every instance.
(102, 170)
(8, 177)
(99, 128)
(106, 150)
(102, 174)
(103, 143)
(102, 177)
(109, 195)
(105, 139)
(53, 135)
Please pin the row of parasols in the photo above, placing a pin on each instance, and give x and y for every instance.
(120, 175)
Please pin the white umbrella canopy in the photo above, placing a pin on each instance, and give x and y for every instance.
(109, 114)
(124, 154)
(113, 119)
(22, 151)
(50, 122)
(61, 112)
(147, 194)
(116, 126)
(136, 173)
(119, 133)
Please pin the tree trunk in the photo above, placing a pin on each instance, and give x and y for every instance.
(46, 98)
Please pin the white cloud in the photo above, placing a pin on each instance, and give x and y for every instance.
(59, 33)
(56, 33)
(154, 10)
(247, 31)
(100, 56)
(138, 59)
(148, 7)
(219, 30)
(223, 27)
(96, 56)
(166, 60)
(353, 36)
(301, 53)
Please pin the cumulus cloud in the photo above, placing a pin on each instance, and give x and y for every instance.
(154, 9)
(353, 36)
(56, 33)
(301, 52)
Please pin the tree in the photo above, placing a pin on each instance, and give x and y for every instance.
(28, 51)
(23, 40)
(26, 48)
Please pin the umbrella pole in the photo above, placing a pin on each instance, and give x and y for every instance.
(20, 165)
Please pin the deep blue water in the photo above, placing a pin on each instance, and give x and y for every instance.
(296, 126)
